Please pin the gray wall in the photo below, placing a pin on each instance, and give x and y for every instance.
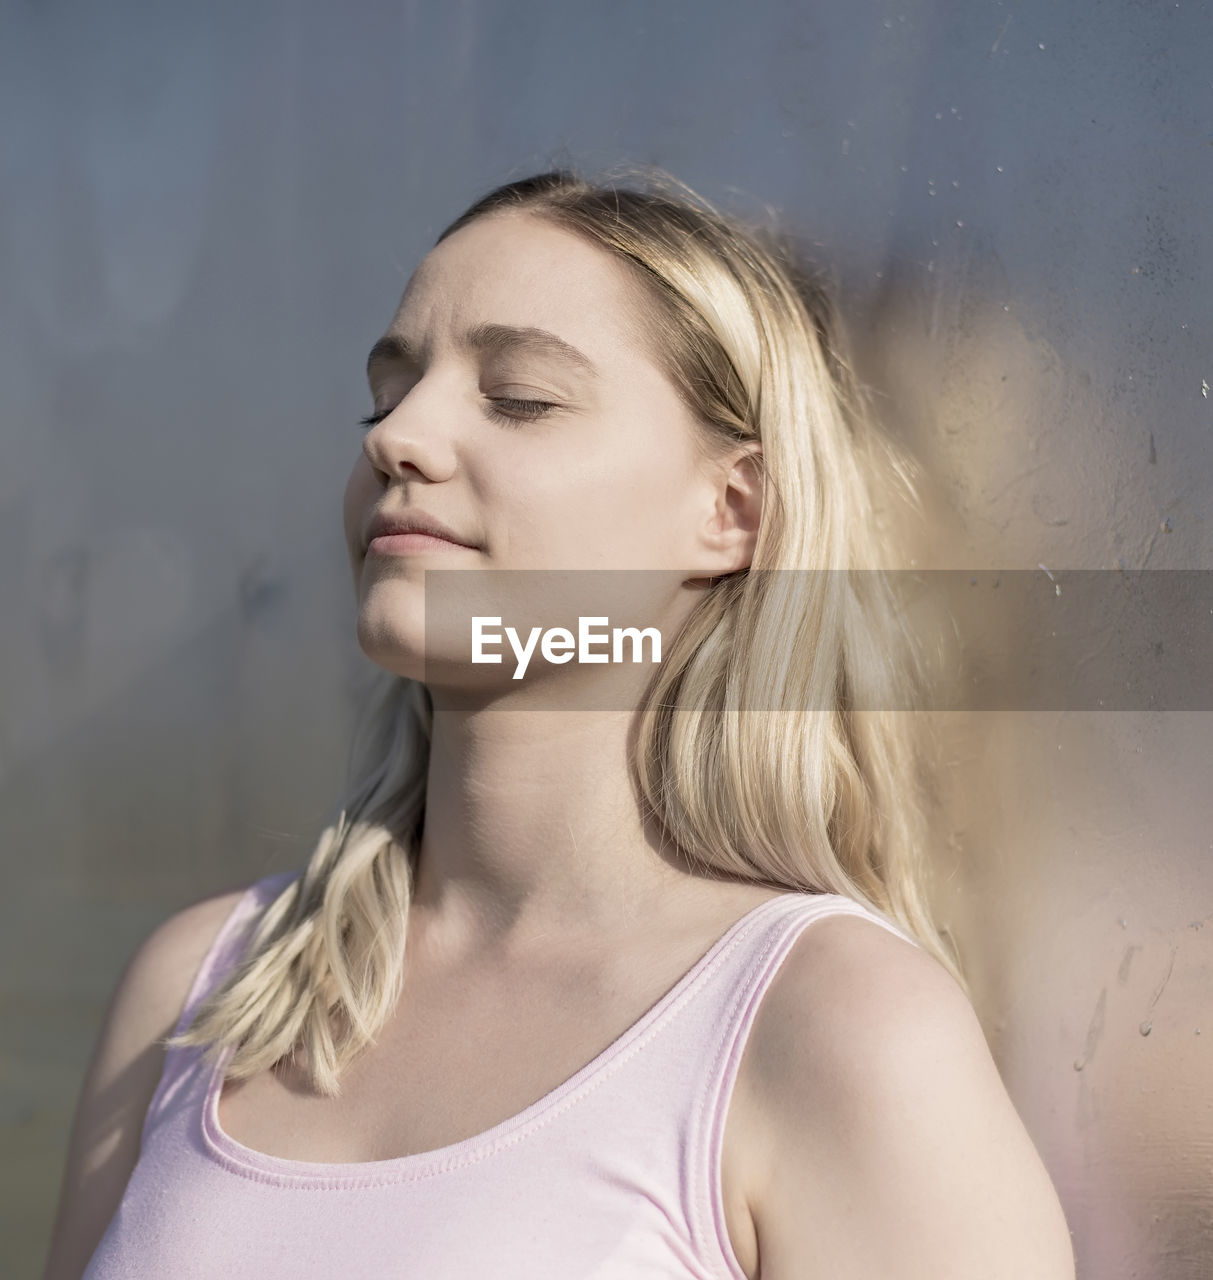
(211, 211)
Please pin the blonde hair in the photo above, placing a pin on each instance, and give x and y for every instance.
(800, 767)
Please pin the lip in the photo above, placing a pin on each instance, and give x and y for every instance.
(411, 530)
(396, 544)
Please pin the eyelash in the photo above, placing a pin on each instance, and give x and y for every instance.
(529, 411)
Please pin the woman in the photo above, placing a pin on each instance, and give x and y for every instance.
(545, 1000)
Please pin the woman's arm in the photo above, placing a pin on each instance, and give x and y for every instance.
(889, 1147)
(122, 1077)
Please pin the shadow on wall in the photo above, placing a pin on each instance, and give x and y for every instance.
(1075, 858)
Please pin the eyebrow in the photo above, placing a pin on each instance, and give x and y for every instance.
(490, 339)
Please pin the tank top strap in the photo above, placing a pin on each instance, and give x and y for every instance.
(229, 942)
(724, 1020)
(224, 951)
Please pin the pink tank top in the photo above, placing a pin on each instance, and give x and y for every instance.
(615, 1173)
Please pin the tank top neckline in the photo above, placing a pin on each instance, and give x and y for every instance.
(279, 1170)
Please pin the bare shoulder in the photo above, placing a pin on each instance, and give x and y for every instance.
(885, 1142)
(122, 1075)
(163, 967)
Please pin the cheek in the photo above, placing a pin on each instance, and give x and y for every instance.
(626, 508)
(645, 481)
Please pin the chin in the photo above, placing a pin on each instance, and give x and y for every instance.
(397, 644)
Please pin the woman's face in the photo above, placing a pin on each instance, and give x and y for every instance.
(515, 404)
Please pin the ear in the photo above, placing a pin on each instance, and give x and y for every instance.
(730, 533)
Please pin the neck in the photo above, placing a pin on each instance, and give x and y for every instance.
(532, 826)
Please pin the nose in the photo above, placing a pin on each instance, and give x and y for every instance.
(416, 438)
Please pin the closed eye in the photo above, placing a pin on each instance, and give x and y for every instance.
(519, 410)
(510, 411)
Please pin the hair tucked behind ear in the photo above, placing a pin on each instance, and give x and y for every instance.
(778, 742)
